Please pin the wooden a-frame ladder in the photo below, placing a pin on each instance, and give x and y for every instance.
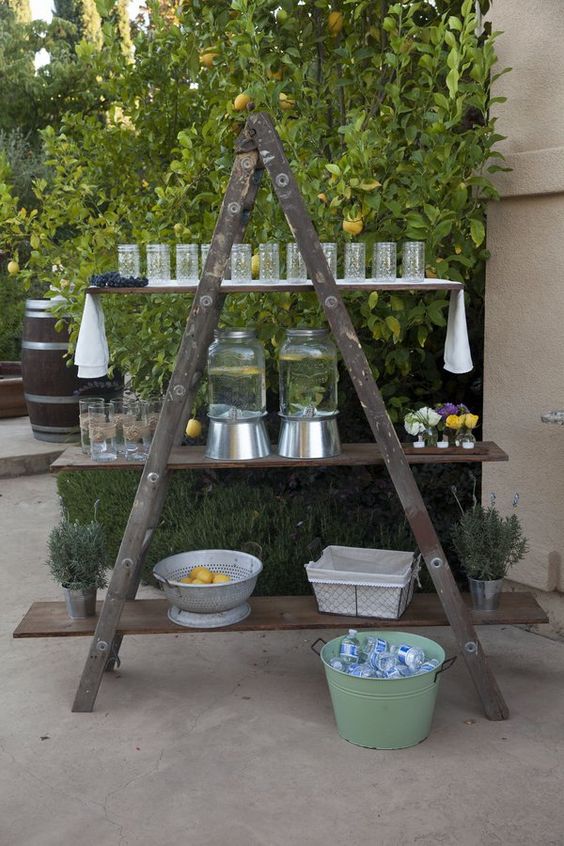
(259, 148)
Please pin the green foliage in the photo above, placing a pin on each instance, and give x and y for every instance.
(85, 18)
(21, 10)
(292, 514)
(78, 556)
(30, 99)
(487, 543)
(390, 123)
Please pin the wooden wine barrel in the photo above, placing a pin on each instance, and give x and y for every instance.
(51, 388)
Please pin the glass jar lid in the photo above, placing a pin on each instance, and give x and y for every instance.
(241, 334)
(307, 333)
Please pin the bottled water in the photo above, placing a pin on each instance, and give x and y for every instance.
(405, 672)
(350, 647)
(383, 661)
(392, 673)
(338, 664)
(363, 671)
(410, 656)
(429, 665)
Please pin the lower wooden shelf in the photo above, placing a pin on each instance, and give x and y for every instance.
(149, 616)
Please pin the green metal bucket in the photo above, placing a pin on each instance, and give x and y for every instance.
(385, 713)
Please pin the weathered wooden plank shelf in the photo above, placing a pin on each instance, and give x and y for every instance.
(281, 285)
(193, 458)
(149, 616)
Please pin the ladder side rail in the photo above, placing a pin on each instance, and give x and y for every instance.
(299, 221)
(190, 362)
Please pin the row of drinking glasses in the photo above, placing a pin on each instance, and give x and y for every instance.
(190, 259)
(120, 427)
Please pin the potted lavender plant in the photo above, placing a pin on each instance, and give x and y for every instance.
(488, 545)
(78, 559)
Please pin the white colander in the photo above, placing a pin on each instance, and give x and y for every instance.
(242, 568)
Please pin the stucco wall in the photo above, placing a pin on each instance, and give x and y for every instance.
(524, 343)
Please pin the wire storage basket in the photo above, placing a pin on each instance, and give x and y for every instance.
(213, 599)
(363, 582)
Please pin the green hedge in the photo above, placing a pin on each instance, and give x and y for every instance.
(291, 514)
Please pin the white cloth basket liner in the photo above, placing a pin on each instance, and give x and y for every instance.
(352, 565)
(363, 582)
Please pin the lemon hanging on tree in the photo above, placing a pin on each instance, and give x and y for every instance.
(353, 226)
(335, 22)
(241, 102)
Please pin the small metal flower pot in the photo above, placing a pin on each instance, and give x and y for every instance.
(80, 603)
(485, 593)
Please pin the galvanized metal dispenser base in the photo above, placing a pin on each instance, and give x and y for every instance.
(307, 437)
(237, 440)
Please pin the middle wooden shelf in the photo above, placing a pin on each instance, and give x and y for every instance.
(193, 458)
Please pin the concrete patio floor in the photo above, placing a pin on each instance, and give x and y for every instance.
(229, 739)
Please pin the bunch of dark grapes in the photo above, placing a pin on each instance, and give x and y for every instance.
(112, 279)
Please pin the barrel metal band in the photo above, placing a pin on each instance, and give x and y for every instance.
(37, 314)
(44, 345)
(63, 430)
(51, 400)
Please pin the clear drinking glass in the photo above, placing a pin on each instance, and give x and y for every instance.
(122, 416)
(355, 261)
(384, 261)
(413, 262)
(187, 262)
(129, 260)
(269, 262)
(295, 264)
(330, 252)
(136, 432)
(241, 263)
(158, 264)
(154, 408)
(83, 406)
(102, 432)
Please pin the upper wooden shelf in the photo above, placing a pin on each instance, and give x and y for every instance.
(149, 616)
(282, 285)
(193, 458)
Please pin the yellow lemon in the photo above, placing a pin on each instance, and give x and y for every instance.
(207, 58)
(286, 103)
(193, 428)
(202, 574)
(241, 102)
(13, 267)
(198, 582)
(220, 578)
(255, 265)
(186, 580)
(353, 227)
(335, 22)
(275, 74)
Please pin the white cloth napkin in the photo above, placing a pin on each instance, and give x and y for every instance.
(91, 355)
(458, 358)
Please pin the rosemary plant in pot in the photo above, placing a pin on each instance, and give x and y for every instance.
(78, 560)
(488, 545)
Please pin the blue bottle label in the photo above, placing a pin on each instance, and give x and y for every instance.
(404, 649)
(348, 650)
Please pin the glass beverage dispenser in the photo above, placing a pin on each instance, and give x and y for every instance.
(237, 396)
(308, 395)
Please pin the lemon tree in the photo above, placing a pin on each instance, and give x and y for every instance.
(383, 110)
